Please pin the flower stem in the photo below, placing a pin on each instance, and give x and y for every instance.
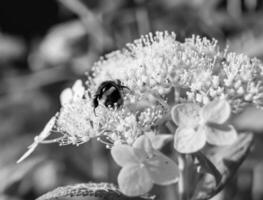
(181, 183)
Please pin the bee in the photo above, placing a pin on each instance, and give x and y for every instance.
(111, 92)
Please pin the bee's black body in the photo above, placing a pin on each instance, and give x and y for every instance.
(111, 92)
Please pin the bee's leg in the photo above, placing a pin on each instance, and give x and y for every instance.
(125, 87)
(118, 81)
(94, 110)
(95, 105)
(119, 102)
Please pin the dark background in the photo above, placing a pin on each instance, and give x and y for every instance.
(46, 45)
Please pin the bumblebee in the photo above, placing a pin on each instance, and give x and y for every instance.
(111, 93)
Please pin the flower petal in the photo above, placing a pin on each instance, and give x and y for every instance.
(123, 155)
(143, 147)
(78, 90)
(188, 140)
(66, 96)
(158, 140)
(134, 180)
(186, 114)
(221, 134)
(217, 111)
(162, 169)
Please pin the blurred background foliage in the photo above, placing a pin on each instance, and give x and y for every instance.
(46, 45)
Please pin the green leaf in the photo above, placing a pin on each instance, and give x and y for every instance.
(227, 161)
(87, 191)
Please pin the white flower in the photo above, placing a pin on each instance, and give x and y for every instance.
(196, 126)
(142, 166)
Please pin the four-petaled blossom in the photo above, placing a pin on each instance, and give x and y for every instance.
(142, 166)
(197, 125)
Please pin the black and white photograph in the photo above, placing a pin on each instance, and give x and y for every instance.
(131, 100)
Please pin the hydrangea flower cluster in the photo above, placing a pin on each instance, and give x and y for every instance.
(193, 85)
(197, 67)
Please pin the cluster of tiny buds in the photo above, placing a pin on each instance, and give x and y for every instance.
(148, 117)
(155, 64)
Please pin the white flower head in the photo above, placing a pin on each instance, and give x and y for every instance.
(155, 67)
